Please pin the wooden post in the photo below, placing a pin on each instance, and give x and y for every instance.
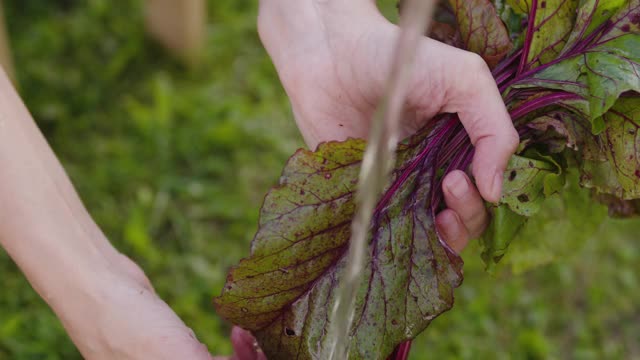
(5, 49)
(179, 25)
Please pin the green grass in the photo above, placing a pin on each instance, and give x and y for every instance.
(173, 164)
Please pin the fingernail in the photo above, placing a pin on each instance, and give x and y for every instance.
(496, 187)
(457, 185)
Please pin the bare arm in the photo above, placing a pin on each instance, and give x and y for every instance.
(43, 225)
(103, 299)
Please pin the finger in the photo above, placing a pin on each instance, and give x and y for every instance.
(474, 95)
(456, 81)
(452, 230)
(463, 198)
(245, 345)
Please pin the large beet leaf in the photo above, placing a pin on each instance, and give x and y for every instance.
(284, 290)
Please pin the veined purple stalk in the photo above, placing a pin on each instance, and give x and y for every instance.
(541, 102)
(531, 28)
(451, 148)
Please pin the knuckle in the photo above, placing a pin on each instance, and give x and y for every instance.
(476, 64)
(512, 141)
(473, 76)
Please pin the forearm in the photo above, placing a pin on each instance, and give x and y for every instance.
(43, 225)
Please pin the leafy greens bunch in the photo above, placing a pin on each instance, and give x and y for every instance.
(569, 73)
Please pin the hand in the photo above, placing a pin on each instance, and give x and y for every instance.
(333, 58)
(103, 299)
(129, 321)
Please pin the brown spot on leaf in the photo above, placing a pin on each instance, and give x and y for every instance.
(523, 198)
(513, 175)
(302, 192)
(635, 18)
(543, 5)
(289, 332)
(394, 322)
(638, 173)
(531, 164)
(626, 28)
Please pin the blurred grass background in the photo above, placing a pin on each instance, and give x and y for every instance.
(173, 164)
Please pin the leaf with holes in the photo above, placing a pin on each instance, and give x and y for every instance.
(528, 182)
(481, 29)
(615, 170)
(600, 67)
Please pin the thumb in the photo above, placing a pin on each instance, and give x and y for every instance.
(466, 86)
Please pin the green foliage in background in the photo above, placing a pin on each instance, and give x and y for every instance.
(172, 163)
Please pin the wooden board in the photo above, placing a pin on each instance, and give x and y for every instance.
(179, 25)
(5, 49)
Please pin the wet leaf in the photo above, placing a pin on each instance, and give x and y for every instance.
(284, 290)
(528, 181)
